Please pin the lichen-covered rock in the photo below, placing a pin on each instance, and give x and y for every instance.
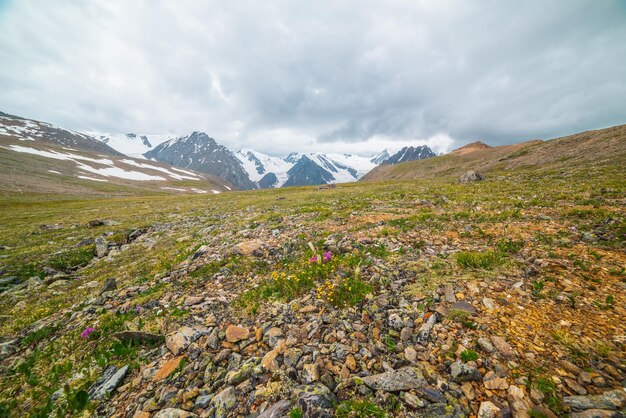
(461, 372)
(614, 400)
(174, 413)
(278, 410)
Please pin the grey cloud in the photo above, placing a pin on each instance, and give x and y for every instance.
(322, 74)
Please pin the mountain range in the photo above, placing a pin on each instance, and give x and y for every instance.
(249, 169)
(196, 152)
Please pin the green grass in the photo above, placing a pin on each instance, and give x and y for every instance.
(72, 258)
(486, 260)
(468, 355)
(359, 409)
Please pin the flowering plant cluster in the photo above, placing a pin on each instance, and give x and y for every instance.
(87, 332)
(326, 256)
(130, 309)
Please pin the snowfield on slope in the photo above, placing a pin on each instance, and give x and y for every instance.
(112, 170)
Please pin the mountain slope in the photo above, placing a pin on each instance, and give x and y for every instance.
(197, 151)
(597, 147)
(35, 158)
(31, 130)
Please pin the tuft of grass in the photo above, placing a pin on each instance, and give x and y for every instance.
(362, 408)
(39, 335)
(296, 413)
(468, 355)
(73, 258)
(486, 260)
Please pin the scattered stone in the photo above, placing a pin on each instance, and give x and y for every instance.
(489, 303)
(224, 402)
(102, 247)
(406, 378)
(314, 400)
(410, 354)
(167, 369)
(310, 373)
(541, 411)
(236, 333)
(109, 284)
(503, 347)
(278, 410)
(203, 401)
(463, 306)
(178, 341)
(413, 401)
(173, 413)
(249, 248)
(425, 329)
(488, 410)
(492, 382)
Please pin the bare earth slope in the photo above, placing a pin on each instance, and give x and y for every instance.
(594, 147)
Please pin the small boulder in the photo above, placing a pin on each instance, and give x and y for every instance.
(470, 176)
(108, 382)
(461, 372)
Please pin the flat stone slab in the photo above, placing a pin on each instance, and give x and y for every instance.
(106, 384)
(406, 378)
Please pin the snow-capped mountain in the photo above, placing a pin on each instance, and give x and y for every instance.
(409, 154)
(380, 158)
(250, 169)
(197, 151)
(299, 169)
(263, 169)
(134, 145)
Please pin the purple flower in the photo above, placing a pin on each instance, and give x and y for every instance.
(313, 259)
(87, 332)
(139, 309)
(327, 256)
(573, 228)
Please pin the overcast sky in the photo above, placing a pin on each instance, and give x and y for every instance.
(330, 76)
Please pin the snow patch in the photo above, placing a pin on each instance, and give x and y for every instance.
(91, 178)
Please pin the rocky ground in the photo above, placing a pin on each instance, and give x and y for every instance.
(504, 297)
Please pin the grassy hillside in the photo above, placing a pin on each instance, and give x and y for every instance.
(533, 260)
(604, 146)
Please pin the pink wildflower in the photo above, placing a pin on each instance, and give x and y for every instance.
(327, 256)
(87, 332)
(313, 259)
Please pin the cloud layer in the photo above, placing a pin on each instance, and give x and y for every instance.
(350, 76)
